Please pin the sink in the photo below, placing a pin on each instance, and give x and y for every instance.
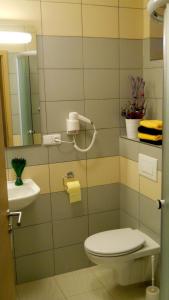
(21, 196)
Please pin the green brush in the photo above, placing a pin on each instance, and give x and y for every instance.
(18, 165)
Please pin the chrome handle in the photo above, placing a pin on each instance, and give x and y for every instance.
(15, 214)
(30, 132)
(160, 203)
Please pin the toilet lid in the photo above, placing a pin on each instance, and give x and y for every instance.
(114, 242)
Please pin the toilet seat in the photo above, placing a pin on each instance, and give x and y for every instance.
(114, 242)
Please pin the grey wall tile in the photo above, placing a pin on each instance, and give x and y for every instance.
(147, 63)
(39, 157)
(66, 152)
(62, 52)
(36, 266)
(34, 81)
(43, 117)
(125, 89)
(129, 149)
(106, 144)
(150, 216)
(156, 237)
(127, 221)
(62, 208)
(154, 109)
(129, 201)
(58, 112)
(13, 84)
(33, 239)
(41, 85)
(70, 231)
(64, 85)
(131, 54)
(103, 198)
(153, 152)
(154, 82)
(101, 84)
(101, 53)
(38, 212)
(70, 258)
(103, 221)
(104, 113)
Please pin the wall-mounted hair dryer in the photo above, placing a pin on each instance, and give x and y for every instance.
(73, 128)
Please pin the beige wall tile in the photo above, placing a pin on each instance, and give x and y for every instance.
(59, 170)
(100, 21)
(102, 171)
(62, 19)
(132, 3)
(40, 174)
(150, 188)
(129, 173)
(59, 1)
(131, 23)
(101, 2)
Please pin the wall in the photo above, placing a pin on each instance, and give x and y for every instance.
(84, 64)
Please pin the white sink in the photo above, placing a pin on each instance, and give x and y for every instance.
(21, 196)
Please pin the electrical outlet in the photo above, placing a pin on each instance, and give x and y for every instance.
(52, 139)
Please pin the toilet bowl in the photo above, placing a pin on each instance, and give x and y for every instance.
(127, 251)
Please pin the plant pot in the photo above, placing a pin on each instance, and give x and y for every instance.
(132, 128)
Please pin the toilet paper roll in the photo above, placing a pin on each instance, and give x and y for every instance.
(74, 191)
(152, 293)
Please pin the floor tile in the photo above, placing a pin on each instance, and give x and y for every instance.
(100, 294)
(78, 282)
(45, 289)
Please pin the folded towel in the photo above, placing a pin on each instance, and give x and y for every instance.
(150, 137)
(152, 142)
(154, 124)
(152, 131)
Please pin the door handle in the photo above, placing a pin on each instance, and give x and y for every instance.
(15, 214)
(160, 203)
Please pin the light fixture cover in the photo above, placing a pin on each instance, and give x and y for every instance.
(13, 37)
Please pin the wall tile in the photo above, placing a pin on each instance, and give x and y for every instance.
(59, 170)
(61, 19)
(37, 212)
(101, 2)
(103, 198)
(101, 84)
(64, 85)
(129, 173)
(106, 144)
(76, 227)
(67, 1)
(154, 83)
(103, 221)
(104, 113)
(127, 19)
(127, 221)
(33, 239)
(43, 117)
(150, 233)
(58, 112)
(70, 258)
(131, 3)
(148, 208)
(42, 96)
(125, 90)
(152, 151)
(101, 53)
(129, 201)
(154, 109)
(131, 54)
(102, 171)
(147, 63)
(39, 157)
(129, 149)
(62, 52)
(151, 189)
(62, 208)
(66, 152)
(29, 268)
(40, 174)
(94, 24)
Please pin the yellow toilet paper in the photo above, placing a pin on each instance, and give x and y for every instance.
(74, 191)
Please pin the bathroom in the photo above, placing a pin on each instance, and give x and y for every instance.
(86, 51)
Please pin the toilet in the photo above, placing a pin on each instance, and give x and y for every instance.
(127, 251)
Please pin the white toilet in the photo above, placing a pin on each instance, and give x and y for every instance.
(127, 251)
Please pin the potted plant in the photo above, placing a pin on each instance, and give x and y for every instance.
(135, 108)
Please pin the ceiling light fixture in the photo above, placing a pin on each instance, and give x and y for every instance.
(7, 37)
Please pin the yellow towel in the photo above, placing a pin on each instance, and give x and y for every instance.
(154, 124)
(149, 137)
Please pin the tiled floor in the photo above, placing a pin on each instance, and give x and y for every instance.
(95, 283)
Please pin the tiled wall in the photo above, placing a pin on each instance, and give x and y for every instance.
(138, 208)
(87, 49)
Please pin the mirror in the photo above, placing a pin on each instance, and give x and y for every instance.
(19, 86)
(156, 38)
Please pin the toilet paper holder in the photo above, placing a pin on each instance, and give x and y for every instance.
(67, 178)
